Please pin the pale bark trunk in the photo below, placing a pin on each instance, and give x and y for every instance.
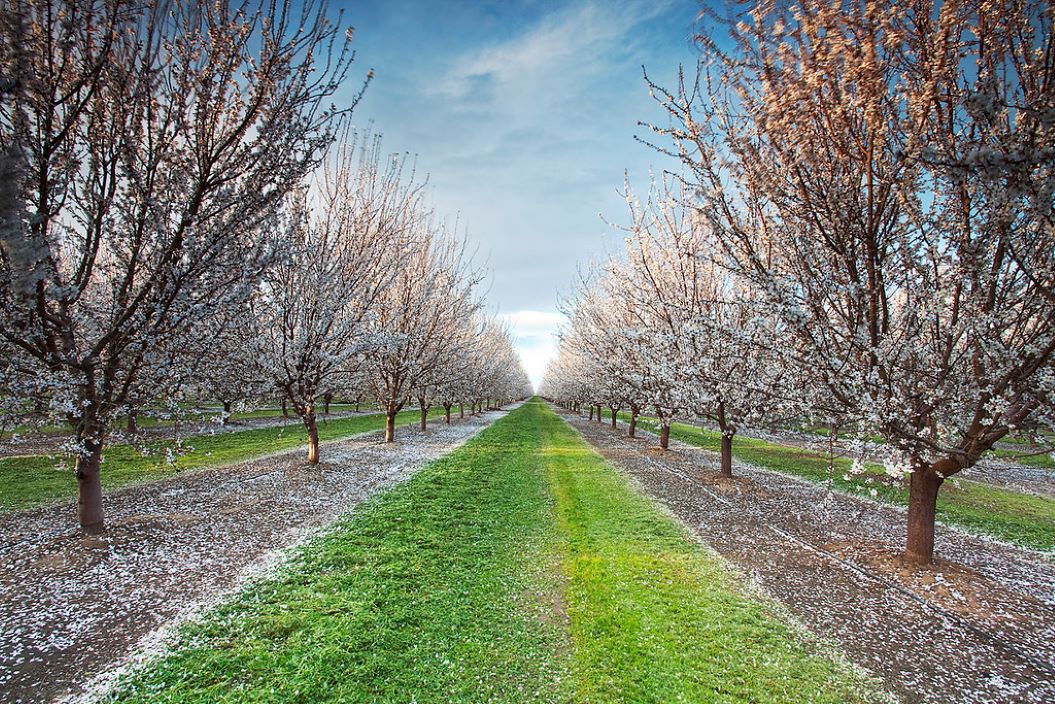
(313, 437)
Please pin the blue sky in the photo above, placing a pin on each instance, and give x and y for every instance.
(523, 114)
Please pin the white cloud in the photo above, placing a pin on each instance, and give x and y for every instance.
(565, 47)
(535, 338)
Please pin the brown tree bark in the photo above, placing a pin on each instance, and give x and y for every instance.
(90, 488)
(615, 414)
(357, 400)
(326, 398)
(924, 483)
(664, 434)
(634, 413)
(725, 467)
(313, 437)
(226, 412)
(461, 410)
(424, 413)
(285, 409)
(390, 425)
(133, 418)
(447, 412)
(591, 411)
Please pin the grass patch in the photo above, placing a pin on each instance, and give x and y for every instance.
(1011, 516)
(428, 593)
(655, 618)
(37, 480)
(519, 568)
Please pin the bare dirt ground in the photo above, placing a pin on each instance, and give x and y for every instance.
(977, 627)
(73, 606)
(52, 443)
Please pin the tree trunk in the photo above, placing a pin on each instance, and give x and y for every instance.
(726, 467)
(226, 412)
(447, 412)
(90, 488)
(357, 405)
(326, 403)
(664, 434)
(615, 414)
(591, 411)
(924, 483)
(461, 410)
(634, 412)
(313, 437)
(285, 410)
(133, 425)
(424, 413)
(390, 425)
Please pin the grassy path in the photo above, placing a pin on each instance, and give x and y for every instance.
(38, 480)
(519, 568)
(1022, 519)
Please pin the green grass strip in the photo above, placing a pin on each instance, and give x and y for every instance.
(1012, 516)
(438, 590)
(519, 568)
(38, 480)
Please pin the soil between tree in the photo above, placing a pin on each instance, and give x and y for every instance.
(73, 606)
(978, 627)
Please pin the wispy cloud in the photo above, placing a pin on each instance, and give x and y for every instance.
(569, 45)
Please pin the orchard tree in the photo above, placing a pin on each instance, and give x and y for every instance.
(429, 300)
(340, 244)
(882, 175)
(726, 347)
(151, 141)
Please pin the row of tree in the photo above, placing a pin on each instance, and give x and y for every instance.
(184, 212)
(861, 235)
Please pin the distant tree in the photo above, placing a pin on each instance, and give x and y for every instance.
(429, 300)
(312, 309)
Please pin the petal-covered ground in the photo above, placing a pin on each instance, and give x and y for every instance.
(978, 627)
(72, 606)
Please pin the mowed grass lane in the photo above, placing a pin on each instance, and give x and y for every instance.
(41, 479)
(519, 568)
(1012, 516)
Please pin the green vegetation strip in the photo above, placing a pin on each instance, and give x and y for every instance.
(37, 480)
(1022, 519)
(519, 568)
